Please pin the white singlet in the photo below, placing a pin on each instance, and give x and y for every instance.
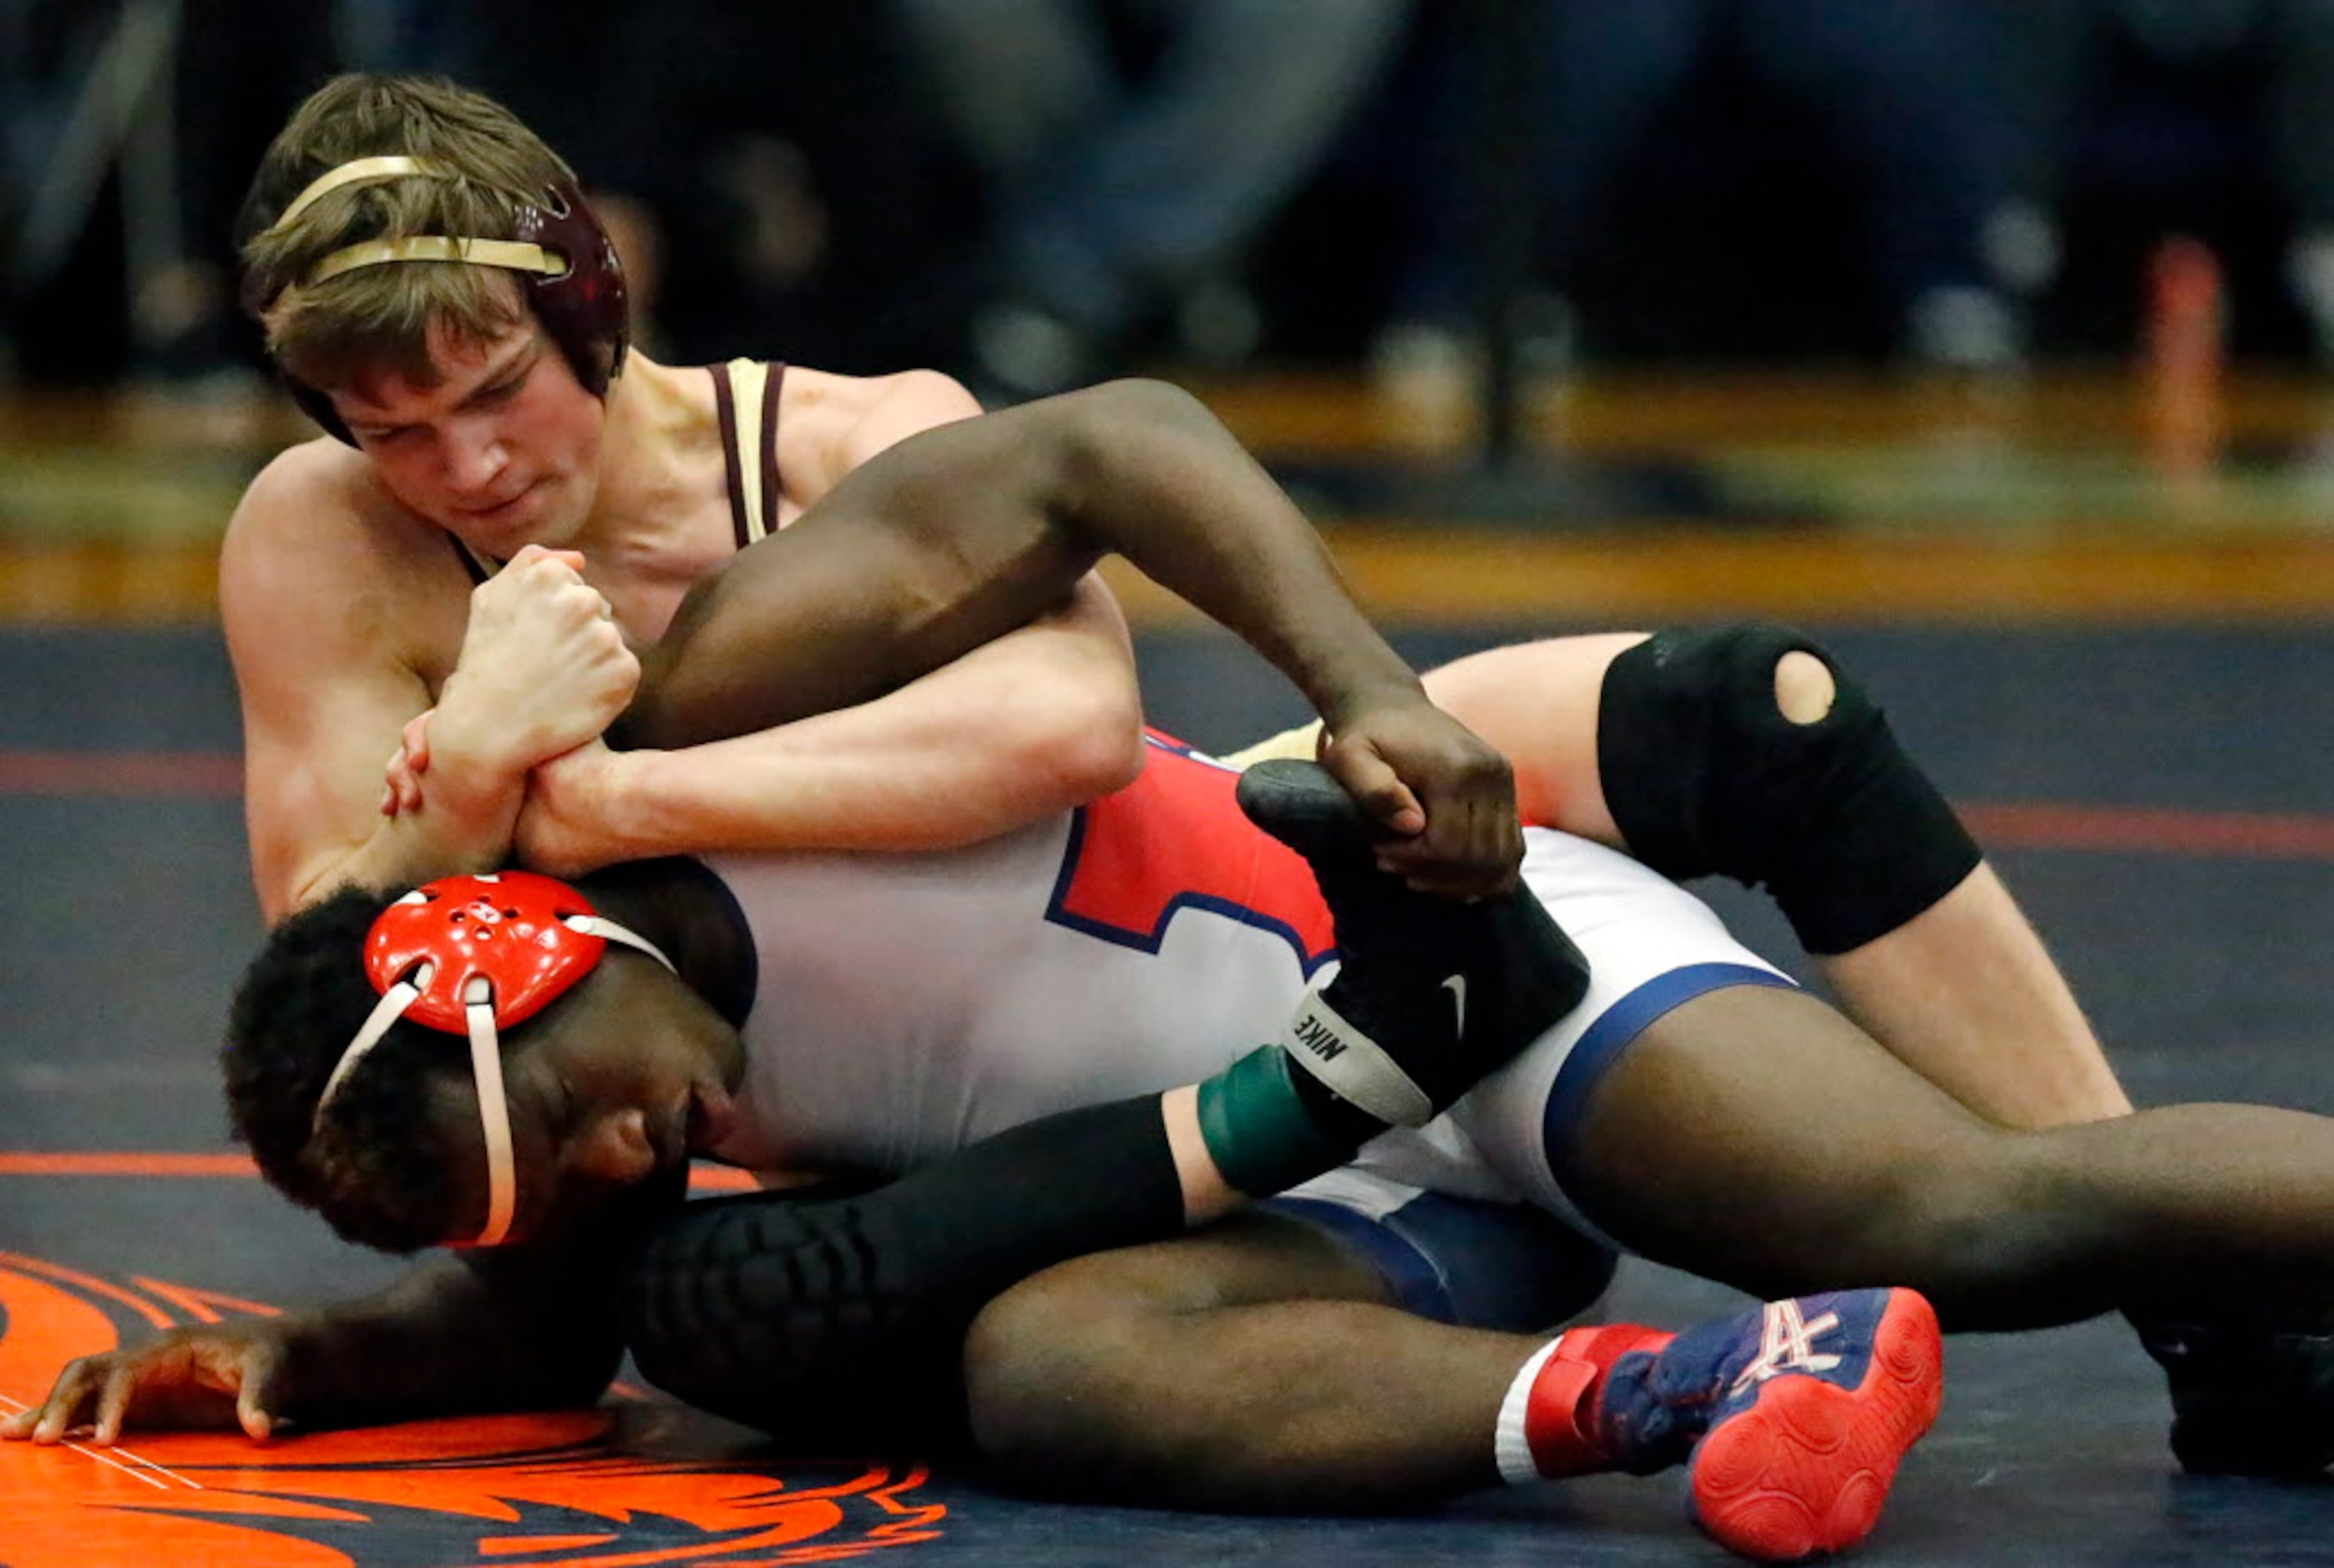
(910, 1003)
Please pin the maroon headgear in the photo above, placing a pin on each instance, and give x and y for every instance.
(573, 282)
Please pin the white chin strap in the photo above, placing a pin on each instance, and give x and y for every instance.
(486, 1063)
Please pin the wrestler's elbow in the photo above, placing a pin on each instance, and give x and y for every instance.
(1100, 747)
(1078, 737)
(1101, 438)
(1152, 403)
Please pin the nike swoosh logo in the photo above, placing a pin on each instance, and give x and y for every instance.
(1457, 985)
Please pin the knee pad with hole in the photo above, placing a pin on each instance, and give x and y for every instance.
(1705, 775)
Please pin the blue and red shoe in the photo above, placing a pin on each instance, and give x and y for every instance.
(1822, 1397)
(1790, 1418)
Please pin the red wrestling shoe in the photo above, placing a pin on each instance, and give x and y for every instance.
(1789, 1418)
(1818, 1398)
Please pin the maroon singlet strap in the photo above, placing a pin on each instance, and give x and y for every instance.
(731, 456)
(774, 381)
(477, 570)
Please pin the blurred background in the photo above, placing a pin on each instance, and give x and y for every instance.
(1591, 275)
(1991, 340)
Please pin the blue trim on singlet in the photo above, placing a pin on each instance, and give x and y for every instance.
(1468, 1261)
(1418, 1285)
(1601, 1044)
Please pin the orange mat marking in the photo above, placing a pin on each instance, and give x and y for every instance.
(624, 1485)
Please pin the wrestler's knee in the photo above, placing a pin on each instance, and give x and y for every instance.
(1993, 1231)
(1054, 1365)
(1745, 750)
(2036, 1242)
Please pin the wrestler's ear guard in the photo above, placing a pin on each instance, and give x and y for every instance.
(473, 955)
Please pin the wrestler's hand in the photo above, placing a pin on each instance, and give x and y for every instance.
(218, 1375)
(544, 667)
(401, 778)
(563, 827)
(1445, 799)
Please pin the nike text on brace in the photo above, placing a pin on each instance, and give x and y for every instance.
(1319, 1039)
(1354, 1066)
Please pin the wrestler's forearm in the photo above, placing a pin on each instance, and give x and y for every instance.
(749, 1307)
(1152, 475)
(463, 824)
(1041, 721)
(449, 1337)
(403, 851)
(959, 534)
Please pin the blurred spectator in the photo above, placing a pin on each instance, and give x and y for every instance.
(1906, 94)
(1133, 148)
(771, 158)
(131, 130)
(2210, 116)
(770, 175)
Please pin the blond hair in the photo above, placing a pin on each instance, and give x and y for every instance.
(374, 320)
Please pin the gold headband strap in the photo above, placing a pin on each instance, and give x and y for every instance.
(360, 170)
(515, 255)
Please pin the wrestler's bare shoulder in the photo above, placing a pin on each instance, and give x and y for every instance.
(830, 394)
(829, 424)
(316, 544)
(317, 509)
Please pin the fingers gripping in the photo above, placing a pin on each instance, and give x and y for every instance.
(1372, 781)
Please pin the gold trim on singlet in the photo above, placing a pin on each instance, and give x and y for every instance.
(750, 434)
(748, 382)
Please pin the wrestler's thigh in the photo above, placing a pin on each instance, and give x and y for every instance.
(1537, 702)
(1756, 1136)
(1252, 1257)
(1118, 1331)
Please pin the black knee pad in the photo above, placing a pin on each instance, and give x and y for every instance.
(781, 1307)
(1704, 775)
(796, 1313)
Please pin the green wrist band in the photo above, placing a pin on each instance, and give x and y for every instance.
(1259, 1129)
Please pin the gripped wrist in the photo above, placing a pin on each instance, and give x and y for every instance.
(1353, 696)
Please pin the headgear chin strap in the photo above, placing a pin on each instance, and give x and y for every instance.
(472, 955)
(573, 282)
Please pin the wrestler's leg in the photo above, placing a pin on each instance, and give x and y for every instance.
(1963, 992)
(1756, 1136)
(1255, 1365)
(1263, 1366)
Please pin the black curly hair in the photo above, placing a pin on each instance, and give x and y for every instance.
(376, 1171)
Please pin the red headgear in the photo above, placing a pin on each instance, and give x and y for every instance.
(473, 955)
